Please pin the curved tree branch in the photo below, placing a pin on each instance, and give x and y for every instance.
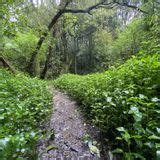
(131, 6)
(89, 9)
(103, 5)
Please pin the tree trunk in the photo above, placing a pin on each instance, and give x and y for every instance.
(6, 64)
(42, 2)
(75, 64)
(90, 48)
(37, 3)
(43, 74)
(30, 67)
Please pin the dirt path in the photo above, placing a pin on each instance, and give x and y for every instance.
(70, 130)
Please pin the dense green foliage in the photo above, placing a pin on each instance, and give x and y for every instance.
(124, 103)
(18, 50)
(80, 43)
(24, 107)
(47, 38)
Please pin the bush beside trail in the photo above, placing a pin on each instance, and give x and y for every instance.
(124, 103)
(24, 107)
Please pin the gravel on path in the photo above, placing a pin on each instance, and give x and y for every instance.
(69, 128)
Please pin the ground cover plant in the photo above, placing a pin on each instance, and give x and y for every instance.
(124, 103)
(25, 105)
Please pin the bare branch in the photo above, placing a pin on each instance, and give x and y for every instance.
(103, 5)
(89, 9)
(131, 6)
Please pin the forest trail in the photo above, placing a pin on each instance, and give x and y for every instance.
(70, 128)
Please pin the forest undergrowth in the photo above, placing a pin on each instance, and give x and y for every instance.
(24, 108)
(124, 103)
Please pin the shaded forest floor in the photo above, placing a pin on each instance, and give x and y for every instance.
(72, 133)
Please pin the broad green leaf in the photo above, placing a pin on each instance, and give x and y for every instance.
(118, 150)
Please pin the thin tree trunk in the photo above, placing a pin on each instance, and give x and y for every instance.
(75, 64)
(6, 64)
(45, 69)
(42, 2)
(43, 74)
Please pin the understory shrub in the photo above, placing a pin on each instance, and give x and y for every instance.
(124, 103)
(25, 104)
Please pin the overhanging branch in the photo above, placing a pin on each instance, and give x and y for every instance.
(89, 9)
(103, 5)
(131, 6)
